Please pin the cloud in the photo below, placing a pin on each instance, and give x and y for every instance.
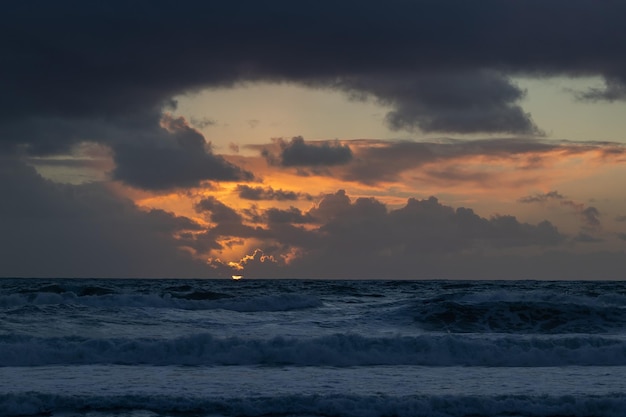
(614, 90)
(202, 123)
(357, 233)
(297, 152)
(259, 193)
(227, 222)
(339, 232)
(589, 215)
(448, 101)
(218, 211)
(60, 230)
(291, 215)
(363, 238)
(459, 161)
(442, 66)
(542, 198)
(182, 159)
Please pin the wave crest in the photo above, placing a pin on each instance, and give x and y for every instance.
(334, 350)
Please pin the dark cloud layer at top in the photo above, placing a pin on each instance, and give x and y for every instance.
(443, 66)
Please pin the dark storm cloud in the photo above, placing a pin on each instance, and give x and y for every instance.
(218, 211)
(181, 159)
(466, 102)
(443, 66)
(268, 193)
(59, 230)
(297, 152)
(291, 215)
(420, 226)
(227, 221)
(362, 238)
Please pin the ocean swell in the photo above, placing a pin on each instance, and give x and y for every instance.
(32, 404)
(335, 350)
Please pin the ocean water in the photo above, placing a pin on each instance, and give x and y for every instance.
(144, 348)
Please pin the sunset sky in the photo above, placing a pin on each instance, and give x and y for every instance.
(313, 139)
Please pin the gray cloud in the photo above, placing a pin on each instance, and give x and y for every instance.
(297, 152)
(268, 193)
(461, 102)
(341, 231)
(218, 211)
(228, 223)
(376, 161)
(51, 229)
(181, 159)
(614, 90)
(420, 226)
(589, 215)
(291, 215)
(542, 198)
(362, 238)
(202, 123)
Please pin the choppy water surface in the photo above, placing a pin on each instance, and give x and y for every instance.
(308, 348)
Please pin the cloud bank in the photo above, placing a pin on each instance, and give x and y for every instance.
(105, 73)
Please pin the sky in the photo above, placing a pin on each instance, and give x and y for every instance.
(416, 139)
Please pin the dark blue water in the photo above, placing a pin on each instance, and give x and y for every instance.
(75, 347)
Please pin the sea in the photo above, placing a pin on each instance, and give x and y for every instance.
(303, 348)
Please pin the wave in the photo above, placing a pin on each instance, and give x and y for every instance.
(34, 404)
(192, 300)
(338, 350)
(517, 316)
